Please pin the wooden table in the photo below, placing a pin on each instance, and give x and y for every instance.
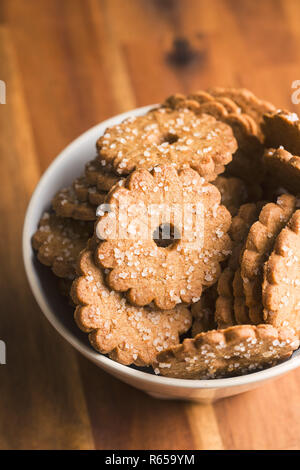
(69, 64)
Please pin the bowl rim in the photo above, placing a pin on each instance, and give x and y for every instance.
(102, 361)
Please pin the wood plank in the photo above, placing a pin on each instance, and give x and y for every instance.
(38, 409)
(63, 84)
(204, 426)
(125, 418)
(265, 418)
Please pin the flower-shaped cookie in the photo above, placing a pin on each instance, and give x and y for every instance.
(59, 241)
(236, 350)
(260, 241)
(283, 169)
(172, 268)
(128, 334)
(281, 284)
(282, 129)
(177, 137)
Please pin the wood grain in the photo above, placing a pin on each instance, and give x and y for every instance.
(68, 64)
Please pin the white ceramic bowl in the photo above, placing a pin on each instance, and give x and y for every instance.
(68, 165)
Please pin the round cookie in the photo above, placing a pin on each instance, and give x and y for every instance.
(282, 129)
(87, 193)
(237, 350)
(66, 204)
(262, 235)
(281, 282)
(128, 334)
(283, 169)
(241, 311)
(100, 175)
(228, 301)
(247, 102)
(58, 242)
(224, 312)
(197, 241)
(246, 162)
(177, 137)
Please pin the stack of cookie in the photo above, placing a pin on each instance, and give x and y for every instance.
(186, 225)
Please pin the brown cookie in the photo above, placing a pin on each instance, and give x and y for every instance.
(226, 303)
(128, 334)
(224, 312)
(59, 241)
(241, 311)
(176, 137)
(66, 204)
(246, 162)
(81, 189)
(99, 174)
(282, 129)
(281, 284)
(237, 350)
(138, 260)
(283, 169)
(222, 109)
(203, 312)
(87, 193)
(247, 102)
(261, 238)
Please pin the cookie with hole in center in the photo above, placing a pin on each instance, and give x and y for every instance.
(281, 281)
(128, 334)
(260, 241)
(59, 241)
(176, 137)
(164, 236)
(237, 350)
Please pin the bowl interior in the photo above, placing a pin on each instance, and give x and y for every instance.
(67, 166)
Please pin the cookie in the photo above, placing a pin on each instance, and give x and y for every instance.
(198, 241)
(226, 303)
(282, 129)
(237, 350)
(176, 137)
(241, 311)
(246, 162)
(224, 110)
(59, 241)
(66, 204)
(262, 234)
(87, 193)
(129, 335)
(203, 312)
(100, 175)
(246, 101)
(283, 169)
(281, 283)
